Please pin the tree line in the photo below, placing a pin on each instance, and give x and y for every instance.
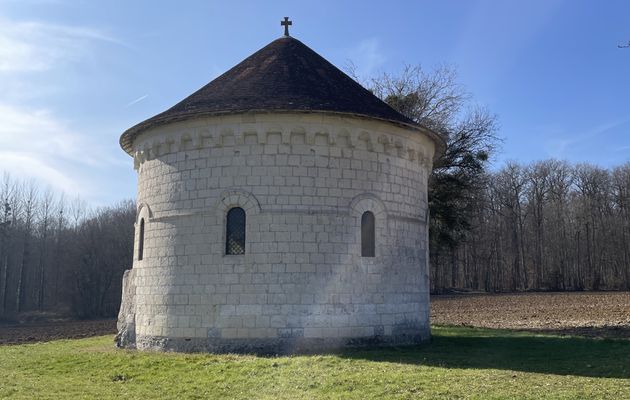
(59, 255)
(548, 225)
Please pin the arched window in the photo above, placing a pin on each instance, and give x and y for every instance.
(141, 240)
(367, 234)
(235, 231)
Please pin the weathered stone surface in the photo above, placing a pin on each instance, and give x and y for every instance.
(304, 182)
(126, 324)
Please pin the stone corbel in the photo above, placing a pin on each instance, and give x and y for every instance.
(220, 136)
(239, 135)
(386, 142)
(423, 160)
(332, 138)
(350, 137)
(310, 136)
(399, 148)
(262, 136)
(367, 138)
(184, 138)
(198, 137)
(166, 146)
(149, 151)
(411, 154)
(137, 160)
(286, 135)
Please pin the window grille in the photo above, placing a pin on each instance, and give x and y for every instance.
(235, 232)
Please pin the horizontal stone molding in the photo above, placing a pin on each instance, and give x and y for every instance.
(176, 138)
(405, 218)
(304, 210)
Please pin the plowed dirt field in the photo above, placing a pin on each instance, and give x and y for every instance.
(45, 331)
(597, 314)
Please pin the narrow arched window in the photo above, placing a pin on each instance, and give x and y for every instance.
(367, 234)
(235, 231)
(141, 240)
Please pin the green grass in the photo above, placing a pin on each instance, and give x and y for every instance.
(459, 363)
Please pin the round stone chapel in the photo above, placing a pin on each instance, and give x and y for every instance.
(282, 208)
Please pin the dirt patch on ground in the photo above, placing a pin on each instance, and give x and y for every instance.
(594, 314)
(42, 331)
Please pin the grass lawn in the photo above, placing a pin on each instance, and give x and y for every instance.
(459, 363)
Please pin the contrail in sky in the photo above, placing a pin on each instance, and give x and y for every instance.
(138, 100)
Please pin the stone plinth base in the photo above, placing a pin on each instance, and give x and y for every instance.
(272, 346)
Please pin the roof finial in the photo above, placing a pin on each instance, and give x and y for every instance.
(286, 23)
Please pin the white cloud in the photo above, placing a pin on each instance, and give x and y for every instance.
(36, 46)
(36, 144)
(37, 131)
(24, 166)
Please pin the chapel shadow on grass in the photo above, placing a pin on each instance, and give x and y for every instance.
(471, 348)
(602, 332)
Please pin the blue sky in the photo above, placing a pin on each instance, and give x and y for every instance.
(75, 74)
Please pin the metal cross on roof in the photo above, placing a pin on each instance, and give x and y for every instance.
(286, 23)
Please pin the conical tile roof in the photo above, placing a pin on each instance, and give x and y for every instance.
(286, 75)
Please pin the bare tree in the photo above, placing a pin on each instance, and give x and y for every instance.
(592, 184)
(5, 225)
(538, 177)
(30, 205)
(433, 99)
(621, 198)
(560, 182)
(511, 190)
(45, 206)
(78, 211)
(106, 245)
(60, 226)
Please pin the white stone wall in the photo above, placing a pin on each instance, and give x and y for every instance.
(304, 181)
